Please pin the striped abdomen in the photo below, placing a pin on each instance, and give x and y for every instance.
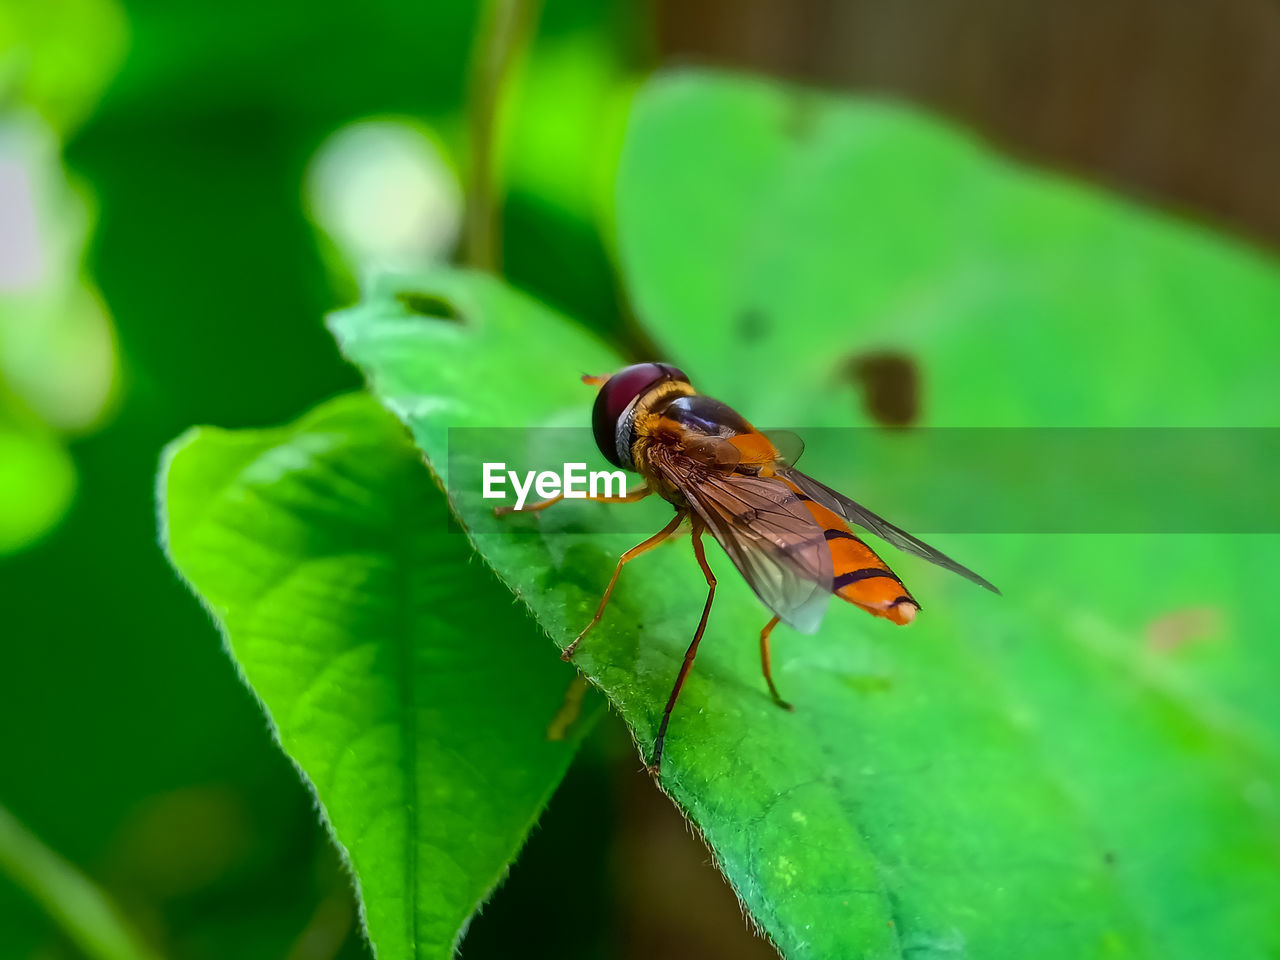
(860, 576)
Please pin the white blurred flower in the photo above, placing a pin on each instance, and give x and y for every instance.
(57, 345)
(385, 196)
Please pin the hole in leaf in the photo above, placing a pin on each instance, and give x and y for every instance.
(429, 305)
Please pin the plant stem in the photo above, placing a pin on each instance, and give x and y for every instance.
(84, 912)
(507, 29)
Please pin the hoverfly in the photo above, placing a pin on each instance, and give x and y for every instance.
(787, 534)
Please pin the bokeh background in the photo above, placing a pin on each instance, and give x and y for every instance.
(186, 189)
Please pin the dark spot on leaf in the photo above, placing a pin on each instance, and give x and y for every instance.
(429, 305)
(753, 324)
(870, 683)
(802, 117)
(890, 383)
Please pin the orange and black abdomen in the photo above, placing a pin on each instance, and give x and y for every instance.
(859, 575)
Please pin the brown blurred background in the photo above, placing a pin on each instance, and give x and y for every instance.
(1173, 103)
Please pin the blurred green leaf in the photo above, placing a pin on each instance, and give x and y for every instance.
(566, 124)
(84, 912)
(59, 56)
(1086, 767)
(37, 482)
(784, 233)
(818, 231)
(403, 681)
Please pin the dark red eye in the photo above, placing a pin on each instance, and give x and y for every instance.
(617, 394)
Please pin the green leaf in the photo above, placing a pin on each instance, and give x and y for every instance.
(1117, 705)
(403, 681)
(1084, 767)
(1143, 669)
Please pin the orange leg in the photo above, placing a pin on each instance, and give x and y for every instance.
(638, 494)
(626, 558)
(693, 647)
(764, 662)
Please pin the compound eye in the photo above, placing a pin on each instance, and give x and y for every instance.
(674, 373)
(617, 394)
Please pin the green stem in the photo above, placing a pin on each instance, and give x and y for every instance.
(85, 913)
(508, 28)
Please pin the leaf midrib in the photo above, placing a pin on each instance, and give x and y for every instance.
(403, 626)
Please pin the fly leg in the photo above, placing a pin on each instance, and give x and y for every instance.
(626, 558)
(764, 663)
(693, 647)
(638, 494)
(528, 507)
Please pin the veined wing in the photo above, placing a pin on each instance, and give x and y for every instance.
(855, 512)
(768, 533)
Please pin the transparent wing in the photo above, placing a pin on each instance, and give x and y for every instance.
(768, 533)
(855, 512)
(789, 445)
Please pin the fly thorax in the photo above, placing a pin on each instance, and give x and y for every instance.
(636, 424)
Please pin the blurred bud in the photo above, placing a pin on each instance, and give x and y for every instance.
(57, 345)
(386, 197)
